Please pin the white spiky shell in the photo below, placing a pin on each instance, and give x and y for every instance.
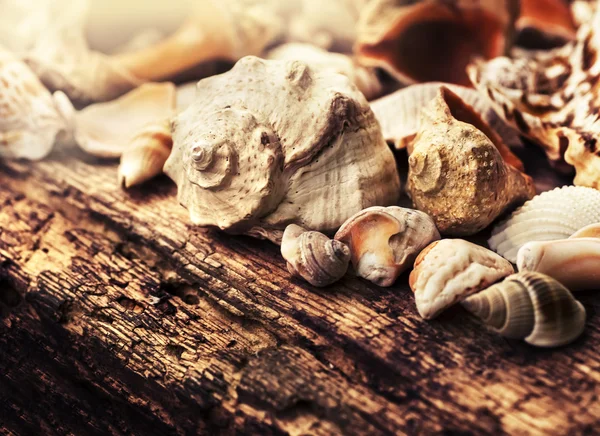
(30, 117)
(450, 270)
(272, 143)
(530, 306)
(400, 112)
(552, 215)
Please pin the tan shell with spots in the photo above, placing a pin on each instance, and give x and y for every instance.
(457, 173)
(272, 143)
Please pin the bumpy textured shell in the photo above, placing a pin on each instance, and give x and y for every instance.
(106, 129)
(573, 262)
(313, 256)
(400, 112)
(551, 97)
(30, 117)
(530, 306)
(552, 215)
(364, 78)
(272, 143)
(428, 40)
(450, 270)
(146, 154)
(457, 173)
(385, 241)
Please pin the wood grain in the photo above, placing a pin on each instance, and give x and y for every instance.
(118, 317)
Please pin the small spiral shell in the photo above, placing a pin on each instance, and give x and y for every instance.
(530, 306)
(313, 256)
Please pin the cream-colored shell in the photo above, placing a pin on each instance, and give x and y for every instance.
(552, 215)
(385, 241)
(530, 306)
(146, 154)
(450, 270)
(314, 257)
(457, 173)
(106, 129)
(397, 35)
(272, 143)
(31, 118)
(399, 113)
(591, 231)
(364, 78)
(573, 262)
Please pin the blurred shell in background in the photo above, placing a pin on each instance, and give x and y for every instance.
(544, 23)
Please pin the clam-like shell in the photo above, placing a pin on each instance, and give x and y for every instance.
(573, 262)
(106, 129)
(313, 256)
(30, 117)
(457, 173)
(421, 41)
(271, 143)
(450, 270)
(400, 113)
(530, 306)
(384, 241)
(146, 154)
(591, 231)
(552, 215)
(364, 78)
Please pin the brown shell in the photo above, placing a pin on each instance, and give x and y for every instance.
(457, 173)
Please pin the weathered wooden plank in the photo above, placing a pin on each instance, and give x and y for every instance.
(351, 357)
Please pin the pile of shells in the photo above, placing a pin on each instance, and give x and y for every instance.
(306, 139)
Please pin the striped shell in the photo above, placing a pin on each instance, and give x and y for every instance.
(400, 112)
(555, 214)
(530, 306)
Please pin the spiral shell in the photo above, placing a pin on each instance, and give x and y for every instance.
(456, 171)
(313, 156)
(31, 118)
(552, 215)
(313, 256)
(450, 270)
(530, 306)
(384, 241)
(573, 262)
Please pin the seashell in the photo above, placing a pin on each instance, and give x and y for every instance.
(313, 256)
(573, 262)
(364, 78)
(530, 306)
(550, 97)
(552, 215)
(583, 10)
(146, 154)
(545, 22)
(31, 118)
(450, 270)
(384, 241)
(400, 114)
(423, 41)
(106, 129)
(457, 173)
(313, 156)
(591, 231)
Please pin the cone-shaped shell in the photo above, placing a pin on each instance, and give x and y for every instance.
(530, 306)
(591, 231)
(385, 241)
(552, 215)
(30, 117)
(313, 156)
(450, 270)
(146, 154)
(106, 129)
(400, 114)
(313, 256)
(573, 262)
(456, 171)
(420, 41)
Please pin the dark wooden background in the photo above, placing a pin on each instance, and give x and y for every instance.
(118, 317)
